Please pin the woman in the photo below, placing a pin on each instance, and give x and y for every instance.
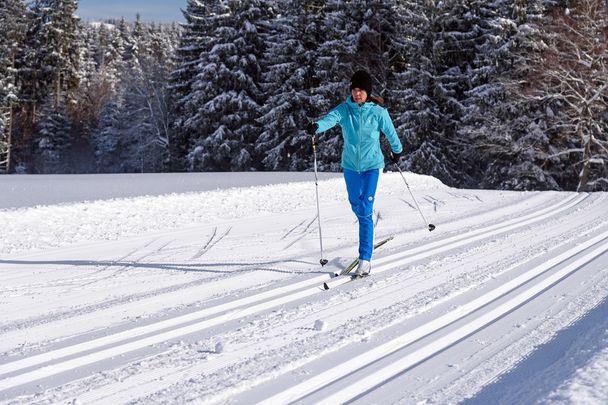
(362, 120)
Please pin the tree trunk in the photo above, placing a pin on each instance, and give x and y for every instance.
(9, 146)
(9, 158)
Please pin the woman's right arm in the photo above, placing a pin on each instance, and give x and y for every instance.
(330, 120)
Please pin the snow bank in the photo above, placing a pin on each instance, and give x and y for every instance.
(41, 227)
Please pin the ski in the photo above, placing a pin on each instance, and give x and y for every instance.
(355, 262)
(345, 273)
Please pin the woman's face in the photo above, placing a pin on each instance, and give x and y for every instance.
(359, 95)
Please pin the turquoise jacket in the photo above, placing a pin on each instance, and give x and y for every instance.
(361, 127)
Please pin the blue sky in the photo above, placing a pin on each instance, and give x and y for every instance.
(150, 10)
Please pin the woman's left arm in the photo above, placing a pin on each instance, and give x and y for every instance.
(388, 129)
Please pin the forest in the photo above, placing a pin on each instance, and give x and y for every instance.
(495, 94)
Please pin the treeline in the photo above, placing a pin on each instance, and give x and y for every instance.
(509, 94)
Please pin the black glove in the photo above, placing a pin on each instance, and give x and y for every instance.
(312, 127)
(395, 157)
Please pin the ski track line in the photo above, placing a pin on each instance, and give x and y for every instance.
(77, 283)
(303, 233)
(120, 303)
(215, 242)
(239, 270)
(172, 376)
(324, 277)
(443, 245)
(157, 327)
(203, 249)
(124, 267)
(368, 382)
(84, 276)
(264, 301)
(293, 229)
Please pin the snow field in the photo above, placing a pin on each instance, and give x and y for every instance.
(141, 319)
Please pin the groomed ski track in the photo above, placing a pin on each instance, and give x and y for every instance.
(443, 314)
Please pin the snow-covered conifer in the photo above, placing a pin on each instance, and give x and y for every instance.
(107, 136)
(289, 78)
(59, 43)
(48, 67)
(202, 19)
(53, 139)
(224, 105)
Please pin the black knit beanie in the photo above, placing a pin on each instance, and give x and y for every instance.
(361, 80)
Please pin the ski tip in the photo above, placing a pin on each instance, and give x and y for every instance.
(325, 286)
(323, 262)
(431, 227)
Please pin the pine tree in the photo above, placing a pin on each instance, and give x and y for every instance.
(506, 138)
(53, 139)
(288, 77)
(60, 47)
(226, 96)
(448, 71)
(197, 39)
(489, 30)
(48, 70)
(146, 99)
(105, 139)
(130, 96)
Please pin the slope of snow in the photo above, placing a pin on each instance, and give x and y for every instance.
(217, 296)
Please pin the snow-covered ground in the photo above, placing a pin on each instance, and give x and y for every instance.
(166, 294)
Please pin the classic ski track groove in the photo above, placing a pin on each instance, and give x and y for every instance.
(597, 246)
(118, 302)
(230, 310)
(129, 299)
(429, 249)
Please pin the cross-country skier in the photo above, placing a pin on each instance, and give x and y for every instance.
(362, 119)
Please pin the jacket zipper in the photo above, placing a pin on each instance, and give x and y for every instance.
(360, 139)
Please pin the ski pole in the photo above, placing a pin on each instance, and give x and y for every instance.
(430, 226)
(314, 152)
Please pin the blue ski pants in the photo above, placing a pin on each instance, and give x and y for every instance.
(361, 188)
